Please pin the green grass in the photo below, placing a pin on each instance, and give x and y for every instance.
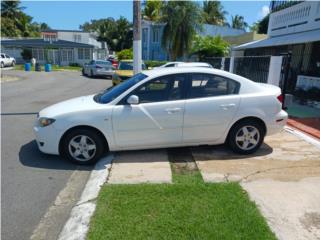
(186, 209)
(53, 68)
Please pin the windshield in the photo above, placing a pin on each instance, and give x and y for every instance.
(129, 66)
(111, 93)
(103, 63)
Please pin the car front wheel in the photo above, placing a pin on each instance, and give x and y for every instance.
(83, 146)
(246, 137)
(13, 63)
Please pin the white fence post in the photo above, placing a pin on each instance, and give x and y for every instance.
(231, 64)
(275, 70)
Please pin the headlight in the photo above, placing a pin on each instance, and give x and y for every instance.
(43, 122)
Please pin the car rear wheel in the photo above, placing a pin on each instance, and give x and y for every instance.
(246, 137)
(2, 65)
(83, 146)
(83, 72)
(91, 73)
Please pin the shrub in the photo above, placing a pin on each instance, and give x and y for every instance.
(125, 54)
(74, 65)
(26, 54)
(153, 64)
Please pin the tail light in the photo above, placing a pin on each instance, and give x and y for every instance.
(97, 66)
(280, 98)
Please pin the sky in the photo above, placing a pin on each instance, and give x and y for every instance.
(71, 14)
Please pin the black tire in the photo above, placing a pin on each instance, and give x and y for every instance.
(13, 63)
(83, 73)
(2, 65)
(93, 136)
(91, 74)
(237, 130)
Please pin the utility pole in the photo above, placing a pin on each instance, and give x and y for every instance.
(137, 61)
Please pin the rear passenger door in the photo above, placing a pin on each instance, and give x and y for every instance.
(211, 103)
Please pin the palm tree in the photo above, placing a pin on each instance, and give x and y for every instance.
(182, 19)
(213, 13)
(152, 10)
(238, 22)
(10, 9)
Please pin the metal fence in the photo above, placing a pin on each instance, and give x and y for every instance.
(222, 63)
(255, 68)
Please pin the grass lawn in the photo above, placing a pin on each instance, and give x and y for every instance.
(186, 209)
(53, 68)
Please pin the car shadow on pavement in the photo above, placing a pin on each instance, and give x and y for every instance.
(222, 152)
(30, 156)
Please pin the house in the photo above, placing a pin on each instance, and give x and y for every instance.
(244, 38)
(152, 35)
(62, 47)
(294, 34)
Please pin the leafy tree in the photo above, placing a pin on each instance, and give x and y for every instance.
(261, 26)
(213, 13)
(15, 23)
(26, 54)
(117, 33)
(238, 22)
(182, 19)
(11, 9)
(210, 46)
(152, 10)
(125, 54)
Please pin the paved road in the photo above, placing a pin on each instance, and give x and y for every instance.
(32, 180)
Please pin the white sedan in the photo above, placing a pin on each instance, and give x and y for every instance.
(161, 108)
(185, 64)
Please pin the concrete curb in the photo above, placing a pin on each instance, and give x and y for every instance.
(77, 225)
(303, 136)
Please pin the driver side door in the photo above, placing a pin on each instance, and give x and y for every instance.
(158, 118)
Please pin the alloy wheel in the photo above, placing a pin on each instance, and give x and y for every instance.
(82, 148)
(247, 137)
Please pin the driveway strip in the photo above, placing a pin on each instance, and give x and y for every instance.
(133, 167)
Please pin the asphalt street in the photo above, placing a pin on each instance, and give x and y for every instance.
(31, 180)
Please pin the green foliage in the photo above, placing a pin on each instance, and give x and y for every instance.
(213, 13)
(125, 54)
(26, 54)
(153, 64)
(117, 33)
(263, 25)
(182, 19)
(209, 46)
(15, 23)
(74, 65)
(238, 22)
(152, 10)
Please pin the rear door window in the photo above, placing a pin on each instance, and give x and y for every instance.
(209, 85)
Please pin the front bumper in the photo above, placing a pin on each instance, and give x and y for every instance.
(48, 139)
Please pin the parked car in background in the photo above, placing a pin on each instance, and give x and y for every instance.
(98, 68)
(163, 108)
(6, 60)
(124, 71)
(114, 61)
(185, 64)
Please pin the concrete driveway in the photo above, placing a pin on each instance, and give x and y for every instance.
(283, 178)
(32, 181)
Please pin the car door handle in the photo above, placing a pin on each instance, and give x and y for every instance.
(173, 110)
(227, 106)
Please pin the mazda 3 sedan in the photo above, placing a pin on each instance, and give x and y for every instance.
(161, 108)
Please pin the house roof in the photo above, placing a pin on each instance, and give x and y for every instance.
(42, 43)
(63, 30)
(302, 37)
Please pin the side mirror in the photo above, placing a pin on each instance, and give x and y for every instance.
(133, 100)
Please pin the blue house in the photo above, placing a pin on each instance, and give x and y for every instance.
(152, 35)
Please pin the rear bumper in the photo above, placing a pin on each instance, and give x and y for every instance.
(277, 123)
(104, 73)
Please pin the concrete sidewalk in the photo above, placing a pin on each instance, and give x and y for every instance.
(132, 167)
(283, 178)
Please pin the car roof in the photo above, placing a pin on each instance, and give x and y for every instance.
(250, 86)
(195, 64)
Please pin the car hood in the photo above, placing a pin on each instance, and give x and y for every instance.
(78, 104)
(125, 73)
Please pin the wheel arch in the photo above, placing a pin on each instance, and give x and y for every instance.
(250, 118)
(100, 133)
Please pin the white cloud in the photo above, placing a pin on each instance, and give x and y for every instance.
(263, 12)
